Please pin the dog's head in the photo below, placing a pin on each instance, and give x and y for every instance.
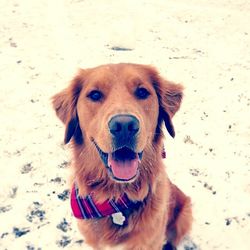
(117, 110)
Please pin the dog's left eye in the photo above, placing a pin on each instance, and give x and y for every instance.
(95, 95)
(142, 93)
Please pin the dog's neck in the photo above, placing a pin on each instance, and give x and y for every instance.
(92, 177)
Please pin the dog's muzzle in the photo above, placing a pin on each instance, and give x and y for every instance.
(123, 161)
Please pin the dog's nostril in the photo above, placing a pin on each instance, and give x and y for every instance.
(116, 127)
(124, 125)
(133, 127)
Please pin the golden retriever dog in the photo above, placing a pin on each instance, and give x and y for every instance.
(121, 194)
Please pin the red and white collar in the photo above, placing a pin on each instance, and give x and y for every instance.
(87, 208)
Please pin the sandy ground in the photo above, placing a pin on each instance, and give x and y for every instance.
(203, 44)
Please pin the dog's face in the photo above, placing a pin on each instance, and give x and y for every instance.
(118, 110)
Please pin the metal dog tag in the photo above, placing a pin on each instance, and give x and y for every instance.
(118, 218)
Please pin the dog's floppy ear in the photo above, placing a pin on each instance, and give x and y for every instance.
(170, 101)
(64, 103)
(169, 96)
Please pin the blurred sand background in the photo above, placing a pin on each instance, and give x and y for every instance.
(203, 44)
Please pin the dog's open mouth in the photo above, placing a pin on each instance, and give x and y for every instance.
(122, 163)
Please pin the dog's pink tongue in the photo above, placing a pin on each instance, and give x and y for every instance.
(123, 170)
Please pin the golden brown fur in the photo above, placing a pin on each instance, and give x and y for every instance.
(166, 214)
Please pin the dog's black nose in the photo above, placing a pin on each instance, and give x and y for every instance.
(124, 126)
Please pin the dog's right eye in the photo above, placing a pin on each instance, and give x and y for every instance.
(95, 95)
(142, 93)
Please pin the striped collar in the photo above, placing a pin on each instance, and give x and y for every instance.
(87, 208)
